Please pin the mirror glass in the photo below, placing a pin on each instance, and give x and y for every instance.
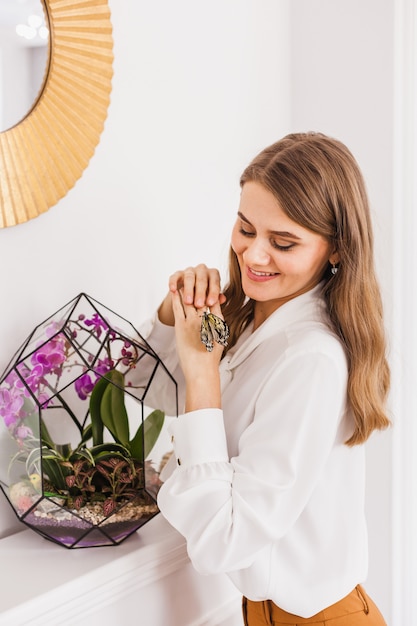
(24, 54)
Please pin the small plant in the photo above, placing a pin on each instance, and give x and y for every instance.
(80, 369)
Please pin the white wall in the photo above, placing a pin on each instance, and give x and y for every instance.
(198, 89)
(404, 226)
(343, 84)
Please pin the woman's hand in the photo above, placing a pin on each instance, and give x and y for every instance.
(200, 367)
(191, 292)
(199, 286)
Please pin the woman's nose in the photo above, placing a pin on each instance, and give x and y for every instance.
(257, 253)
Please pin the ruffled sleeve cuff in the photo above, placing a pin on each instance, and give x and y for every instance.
(199, 437)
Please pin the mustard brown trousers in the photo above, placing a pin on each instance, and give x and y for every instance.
(356, 609)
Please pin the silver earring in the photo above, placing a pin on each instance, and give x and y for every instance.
(334, 269)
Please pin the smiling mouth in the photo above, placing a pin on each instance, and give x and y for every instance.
(252, 271)
(260, 277)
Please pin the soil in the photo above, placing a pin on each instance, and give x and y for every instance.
(89, 526)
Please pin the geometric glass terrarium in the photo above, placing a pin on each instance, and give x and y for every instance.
(79, 427)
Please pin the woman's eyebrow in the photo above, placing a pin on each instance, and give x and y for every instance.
(280, 233)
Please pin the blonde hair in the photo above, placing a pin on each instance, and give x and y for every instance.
(319, 185)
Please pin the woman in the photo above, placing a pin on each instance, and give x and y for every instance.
(269, 482)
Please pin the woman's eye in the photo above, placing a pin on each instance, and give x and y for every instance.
(282, 248)
(274, 244)
(245, 233)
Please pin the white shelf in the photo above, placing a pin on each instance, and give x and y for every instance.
(149, 576)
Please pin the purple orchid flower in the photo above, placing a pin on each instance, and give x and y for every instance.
(11, 403)
(51, 355)
(84, 386)
(98, 324)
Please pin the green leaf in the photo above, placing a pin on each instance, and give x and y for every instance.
(125, 456)
(95, 409)
(51, 465)
(147, 434)
(113, 410)
(19, 457)
(53, 470)
(82, 453)
(45, 436)
(34, 457)
(102, 451)
(109, 447)
(86, 435)
(64, 449)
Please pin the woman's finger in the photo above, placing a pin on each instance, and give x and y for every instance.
(199, 286)
(202, 285)
(207, 286)
(189, 285)
(176, 281)
(183, 311)
(177, 305)
(213, 291)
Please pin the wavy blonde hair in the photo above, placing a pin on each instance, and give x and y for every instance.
(319, 185)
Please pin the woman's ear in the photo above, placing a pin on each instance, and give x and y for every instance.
(334, 258)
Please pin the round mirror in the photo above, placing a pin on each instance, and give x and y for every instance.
(24, 54)
(44, 154)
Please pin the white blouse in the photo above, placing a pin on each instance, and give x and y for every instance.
(265, 489)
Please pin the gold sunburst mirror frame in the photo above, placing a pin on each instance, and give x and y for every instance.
(43, 156)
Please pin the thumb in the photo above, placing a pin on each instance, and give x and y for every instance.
(177, 305)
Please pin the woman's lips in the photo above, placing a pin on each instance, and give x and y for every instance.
(260, 277)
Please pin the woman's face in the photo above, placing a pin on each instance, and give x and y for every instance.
(278, 258)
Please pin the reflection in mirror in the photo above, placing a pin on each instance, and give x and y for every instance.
(24, 53)
(43, 155)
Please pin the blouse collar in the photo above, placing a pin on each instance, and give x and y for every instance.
(307, 306)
